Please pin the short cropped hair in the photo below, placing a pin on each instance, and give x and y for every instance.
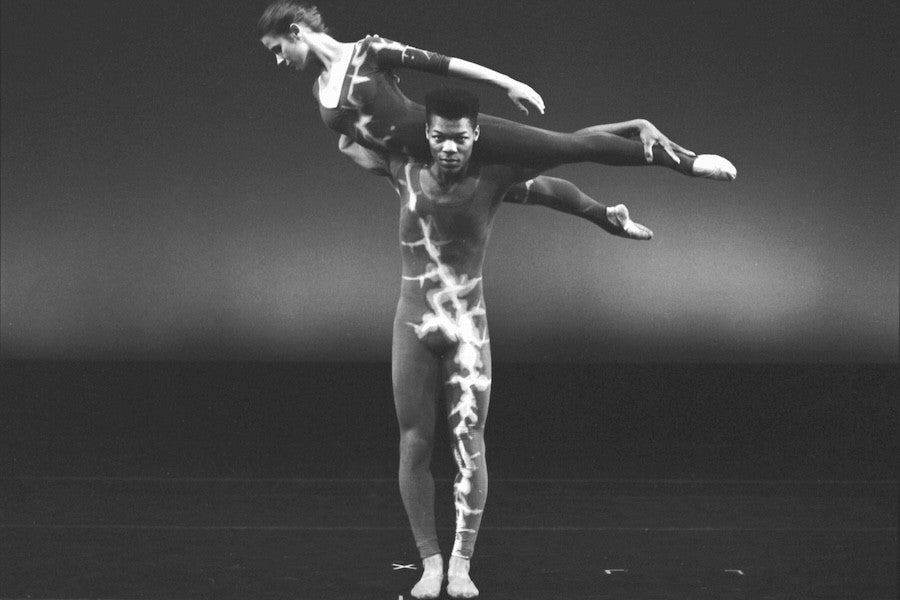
(451, 103)
(281, 14)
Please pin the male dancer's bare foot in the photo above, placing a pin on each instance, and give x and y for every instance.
(459, 584)
(429, 585)
(618, 223)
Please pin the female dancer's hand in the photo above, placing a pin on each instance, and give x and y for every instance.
(650, 136)
(522, 94)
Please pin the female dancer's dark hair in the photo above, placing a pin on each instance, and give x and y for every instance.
(278, 17)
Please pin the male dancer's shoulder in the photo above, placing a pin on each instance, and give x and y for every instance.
(379, 162)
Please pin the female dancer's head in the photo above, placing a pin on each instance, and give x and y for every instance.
(284, 28)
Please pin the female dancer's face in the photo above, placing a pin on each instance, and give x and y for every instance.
(290, 50)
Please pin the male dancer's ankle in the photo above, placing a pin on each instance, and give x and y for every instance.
(459, 583)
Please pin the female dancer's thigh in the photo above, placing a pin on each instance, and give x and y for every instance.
(508, 142)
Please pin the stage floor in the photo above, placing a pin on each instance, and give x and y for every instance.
(347, 539)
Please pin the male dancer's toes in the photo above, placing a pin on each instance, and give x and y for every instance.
(429, 585)
(713, 166)
(618, 222)
(459, 584)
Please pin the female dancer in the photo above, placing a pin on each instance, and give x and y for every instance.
(359, 97)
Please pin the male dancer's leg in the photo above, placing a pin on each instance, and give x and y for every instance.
(468, 380)
(416, 373)
(468, 398)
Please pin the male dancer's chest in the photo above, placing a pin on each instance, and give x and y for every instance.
(451, 224)
(462, 210)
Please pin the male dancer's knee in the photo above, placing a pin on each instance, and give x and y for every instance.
(416, 447)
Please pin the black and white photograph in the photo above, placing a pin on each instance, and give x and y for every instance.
(277, 277)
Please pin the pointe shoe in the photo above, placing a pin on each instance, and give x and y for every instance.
(713, 166)
(620, 224)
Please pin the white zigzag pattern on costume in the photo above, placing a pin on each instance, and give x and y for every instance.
(451, 315)
(362, 123)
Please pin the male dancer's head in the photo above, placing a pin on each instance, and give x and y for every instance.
(451, 129)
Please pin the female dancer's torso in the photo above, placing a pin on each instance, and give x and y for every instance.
(369, 106)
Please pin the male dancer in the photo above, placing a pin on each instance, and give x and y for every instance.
(440, 341)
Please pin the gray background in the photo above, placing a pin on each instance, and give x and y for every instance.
(168, 193)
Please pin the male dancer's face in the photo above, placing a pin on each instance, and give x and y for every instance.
(451, 142)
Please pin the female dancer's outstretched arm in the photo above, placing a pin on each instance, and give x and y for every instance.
(521, 94)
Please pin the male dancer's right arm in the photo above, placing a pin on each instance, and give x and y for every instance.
(373, 161)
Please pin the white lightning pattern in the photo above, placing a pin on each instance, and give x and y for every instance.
(451, 315)
(413, 197)
(528, 185)
(362, 123)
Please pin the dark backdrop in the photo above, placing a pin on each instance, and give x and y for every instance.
(167, 193)
(217, 419)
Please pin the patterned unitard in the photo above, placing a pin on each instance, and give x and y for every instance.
(363, 101)
(440, 347)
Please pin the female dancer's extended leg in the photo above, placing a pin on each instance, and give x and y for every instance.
(509, 142)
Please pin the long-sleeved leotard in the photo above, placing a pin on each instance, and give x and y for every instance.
(440, 340)
(366, 104)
